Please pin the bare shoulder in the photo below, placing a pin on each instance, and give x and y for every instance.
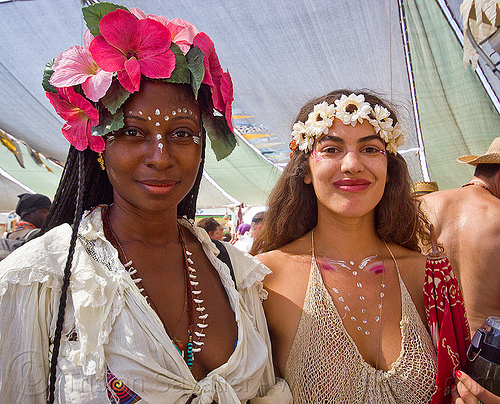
(411, 266)
(291, 259)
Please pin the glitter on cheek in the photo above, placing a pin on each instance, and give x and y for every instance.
(317, 156)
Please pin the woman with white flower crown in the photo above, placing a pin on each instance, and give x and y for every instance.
(123, 299)
(348, 318)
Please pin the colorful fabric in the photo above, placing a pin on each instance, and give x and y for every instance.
(21, 225)
(445, 312)
(118, 393)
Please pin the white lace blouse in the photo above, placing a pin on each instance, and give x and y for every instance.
(116, 328)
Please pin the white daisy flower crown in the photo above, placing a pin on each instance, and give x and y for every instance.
(350, 110)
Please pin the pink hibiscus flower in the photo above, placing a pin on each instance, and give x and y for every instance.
(80, 116)
(220, 82)
(76, 66)
(182, 31)
(132, 47)
(227, 96)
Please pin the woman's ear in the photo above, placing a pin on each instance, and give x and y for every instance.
(308, 179)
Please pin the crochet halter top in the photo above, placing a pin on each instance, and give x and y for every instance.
(325, 366)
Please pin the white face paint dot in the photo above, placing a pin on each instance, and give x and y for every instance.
(149, 118)
(351, 262)
(363, 311)
(184, 110)
(377, 319)
(359, 328)
(140, 112)
(160, 146)
(367, 332)
(341, 299)
(382, 295)
(335, 290)
(347, 308)
(167, 117)
(353, 318)
(130, 112)
(158, 136)
(365, 321)
(359, 285)
(190, 112)
(173, 112)
(179, 110)
(157, 112)
(157, 123)
(361, 298)
(354, 273)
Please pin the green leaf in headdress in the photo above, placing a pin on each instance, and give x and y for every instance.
(93, 14)
(47, 74)
(195, 58)
(222, 139)
(115, 96)
(181, 72)
(108, 122)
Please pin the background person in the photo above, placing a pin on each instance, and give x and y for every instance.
(212, 227)
(111, 303)
(245, 241)
(467, 223)
(32, 209)
(346, 311)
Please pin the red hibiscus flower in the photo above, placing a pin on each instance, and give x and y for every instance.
(132, 47)
(80, 116)
(220, 82)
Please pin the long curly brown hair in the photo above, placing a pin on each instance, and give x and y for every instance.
(293, 204)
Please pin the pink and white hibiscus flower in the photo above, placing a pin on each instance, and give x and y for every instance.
(132, 47)
(76, 66)
(80, 116)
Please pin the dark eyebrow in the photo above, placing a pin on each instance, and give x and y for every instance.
(370, 137)
(332, 138)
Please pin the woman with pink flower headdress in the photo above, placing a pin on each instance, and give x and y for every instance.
(123, 298)
(348, 319)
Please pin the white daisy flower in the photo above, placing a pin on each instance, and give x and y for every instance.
(352, 109)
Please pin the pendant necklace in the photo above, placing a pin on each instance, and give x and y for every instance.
(192, 296)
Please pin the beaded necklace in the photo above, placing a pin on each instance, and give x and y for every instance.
(192, 295)
(479, 183)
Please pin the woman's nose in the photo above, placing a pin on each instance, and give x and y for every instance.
(159, 154)
(351, 162)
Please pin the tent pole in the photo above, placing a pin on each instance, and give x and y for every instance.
(420, 140)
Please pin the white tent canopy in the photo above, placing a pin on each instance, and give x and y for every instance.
(280, 54)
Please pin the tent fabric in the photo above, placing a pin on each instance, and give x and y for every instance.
(246, 173)
(456, 114)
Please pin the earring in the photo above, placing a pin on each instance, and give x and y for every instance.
(100, 160)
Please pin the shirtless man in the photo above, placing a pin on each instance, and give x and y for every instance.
(467, 223)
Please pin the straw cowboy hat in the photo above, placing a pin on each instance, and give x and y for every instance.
(492, 156)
